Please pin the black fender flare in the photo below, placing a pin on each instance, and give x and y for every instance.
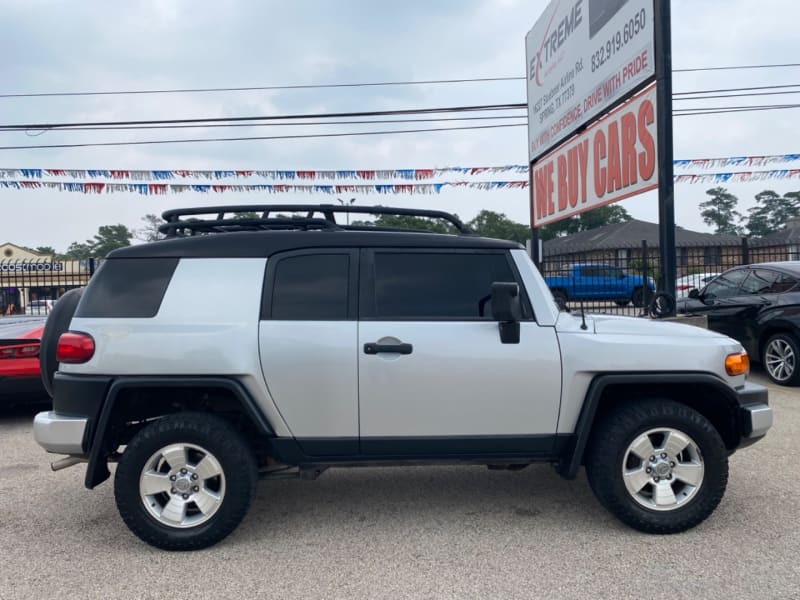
(97, 469)
(570, 461)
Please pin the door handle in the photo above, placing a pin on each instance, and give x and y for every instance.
(375, 348)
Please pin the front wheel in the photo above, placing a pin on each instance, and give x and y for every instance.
(658, 466)
(780, 357)
(185, 482)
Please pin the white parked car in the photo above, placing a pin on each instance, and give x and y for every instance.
(39, 307)
(683, 285)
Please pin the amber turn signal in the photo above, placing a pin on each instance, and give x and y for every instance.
(737, 364)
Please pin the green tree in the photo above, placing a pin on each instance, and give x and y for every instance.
(150, 232)
(107, 238)
(77, 250)
(45, 250)
(591, 219)
(496, 225)
(110, 237)
(772, 212)
(719, 211)
(245, 215)
(408, 222)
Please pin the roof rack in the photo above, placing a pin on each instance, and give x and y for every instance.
(182, 222)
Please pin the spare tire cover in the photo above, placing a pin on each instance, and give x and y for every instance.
(57, 323)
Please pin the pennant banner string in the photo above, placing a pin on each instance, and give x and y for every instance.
(155, 189)
(119, 175)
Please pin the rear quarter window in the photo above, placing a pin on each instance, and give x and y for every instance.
(127, 288)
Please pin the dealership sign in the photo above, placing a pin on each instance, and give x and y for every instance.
(611, 160)
(29, 267)
(584, 56)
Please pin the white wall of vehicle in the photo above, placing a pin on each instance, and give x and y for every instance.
(311, 370)
(197, 331)
(625, 344)
(459, 380)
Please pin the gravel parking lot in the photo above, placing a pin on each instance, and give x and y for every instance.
(416, 532)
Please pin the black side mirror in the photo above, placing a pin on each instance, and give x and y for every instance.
(507, 310)
(694, 293)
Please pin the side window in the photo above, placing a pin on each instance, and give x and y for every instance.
(760, 281)
(312, 287)
(726, 285)
(437, 285)
(783, 283)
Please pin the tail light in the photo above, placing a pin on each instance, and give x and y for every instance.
(74, 347)
(683, 287)
(20, 351)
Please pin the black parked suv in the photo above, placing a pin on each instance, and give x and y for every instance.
(759, 305)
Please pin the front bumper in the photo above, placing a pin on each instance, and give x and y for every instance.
(59, 433)
(755, 413)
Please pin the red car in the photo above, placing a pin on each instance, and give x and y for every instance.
(20, 379)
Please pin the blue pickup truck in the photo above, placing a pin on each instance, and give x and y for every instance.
(599, 282)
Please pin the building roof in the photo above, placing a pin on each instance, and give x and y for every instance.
(630, 235)
(789, 235)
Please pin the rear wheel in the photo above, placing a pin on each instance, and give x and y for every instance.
(185, 482)
(780, 358)
(658, 466)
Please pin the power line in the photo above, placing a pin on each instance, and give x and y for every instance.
(685, 112)
(737, 68)
(677, 113)
(259, 88)
(740, 89)
(206, 121)
(253, 138)
(716, 96)
(338, 85)
(280, 124)
(377, 113)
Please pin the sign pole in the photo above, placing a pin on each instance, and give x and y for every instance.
(666, 182)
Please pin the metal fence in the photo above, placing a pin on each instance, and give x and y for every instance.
(606, 290)
(31, 286)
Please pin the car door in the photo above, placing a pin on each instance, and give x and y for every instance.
(307, 338)
(446, 384)
(724, 302)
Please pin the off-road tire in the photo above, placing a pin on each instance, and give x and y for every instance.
(57, 323)
(211, 433)
(616, 431)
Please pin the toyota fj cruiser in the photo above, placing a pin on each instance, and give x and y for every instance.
(274, 346)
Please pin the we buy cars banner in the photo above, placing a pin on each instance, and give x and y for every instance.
(612, 159)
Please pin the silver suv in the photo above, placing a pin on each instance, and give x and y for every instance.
(273, 346)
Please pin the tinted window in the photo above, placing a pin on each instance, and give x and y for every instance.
(311, 287)
(782, 284)
(601, 271)
(760, 281)
(437, 285)
(127, 287)
(725, 285)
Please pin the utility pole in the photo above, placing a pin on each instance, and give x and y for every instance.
(343, 203)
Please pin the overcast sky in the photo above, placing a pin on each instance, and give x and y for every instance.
(93, 45)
